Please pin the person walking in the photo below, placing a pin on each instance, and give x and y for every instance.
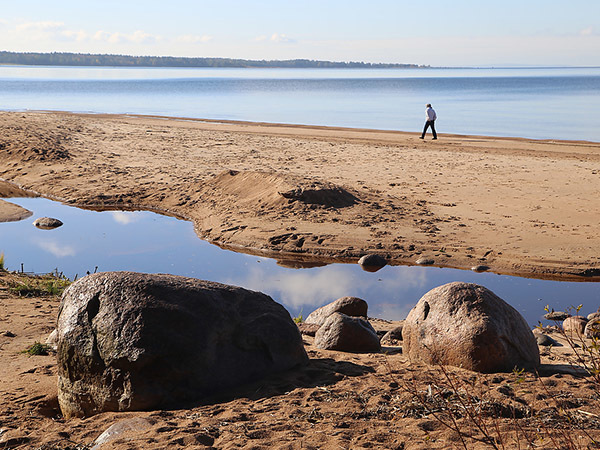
(431, 116)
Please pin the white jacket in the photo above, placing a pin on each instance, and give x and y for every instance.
(431, 115)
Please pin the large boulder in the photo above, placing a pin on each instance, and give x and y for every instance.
(350, 306)
(348, 334)
(592, 329)
(466, 325)
(129, 341)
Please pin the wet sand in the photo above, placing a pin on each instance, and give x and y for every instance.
(517, 206)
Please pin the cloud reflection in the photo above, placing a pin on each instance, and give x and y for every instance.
(390, 293)
(124, 218)
(55, 248)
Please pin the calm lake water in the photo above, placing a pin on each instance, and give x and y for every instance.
(534, 103)
(152, 243)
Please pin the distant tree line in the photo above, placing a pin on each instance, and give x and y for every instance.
(85, 59)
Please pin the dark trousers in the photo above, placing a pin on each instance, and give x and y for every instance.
(429, 123)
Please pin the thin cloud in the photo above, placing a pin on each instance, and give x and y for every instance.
(124, 218)
(137, 37)
(40, 26)
(193, 39)
(282, 39)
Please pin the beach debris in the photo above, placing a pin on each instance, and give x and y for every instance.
(349, 334)
(129, 341)
(47, 223)
(424, 261)
(394, 336)
(350, 306)
(557, 315)
(467, 325)
(51, 340)
(372, 262)
(574, 325)
(121, 429)
(592, 329)
(480, 268)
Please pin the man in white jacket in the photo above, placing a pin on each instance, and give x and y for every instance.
(431, 116)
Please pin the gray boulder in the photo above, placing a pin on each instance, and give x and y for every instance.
(393, 337)
(466, 325)
(47, 223)
(129, 341)
(372, 262)
(556, 316)
(348, 334)
(351, 306)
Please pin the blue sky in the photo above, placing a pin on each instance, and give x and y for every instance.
(433, 32)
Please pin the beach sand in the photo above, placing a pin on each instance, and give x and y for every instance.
(339, 401)
(518, 206)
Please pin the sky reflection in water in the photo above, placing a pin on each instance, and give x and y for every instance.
(148, 242)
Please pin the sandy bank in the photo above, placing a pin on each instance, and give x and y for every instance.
(519, 206)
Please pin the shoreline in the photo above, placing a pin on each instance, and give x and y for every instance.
(326, 193)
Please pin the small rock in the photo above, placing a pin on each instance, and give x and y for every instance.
(423, 261)
(545, 341)
(392, 336)
(348, 334)
(372, 263)
(350, 306)
(594, 315)
(592, 329)
(47, 223)
(9, 334)
(480, 268)
(574, 325)
(12, 438)
(308, 329)
(556, 316)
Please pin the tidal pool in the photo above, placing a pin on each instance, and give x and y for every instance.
(144, 241)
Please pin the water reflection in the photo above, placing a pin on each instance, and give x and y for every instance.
(148, 242)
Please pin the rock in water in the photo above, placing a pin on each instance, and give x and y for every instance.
(372, 262)
(351, 306)
(47, 223)
(129, 341)
(466, 325)
(348, 334)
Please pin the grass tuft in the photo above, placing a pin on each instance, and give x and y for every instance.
(37, 349)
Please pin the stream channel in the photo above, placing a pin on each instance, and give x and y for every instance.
(144, 241)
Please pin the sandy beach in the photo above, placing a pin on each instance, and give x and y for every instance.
(338, 401)
(517, 206)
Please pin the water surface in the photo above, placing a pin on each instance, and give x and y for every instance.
(534, 103)
(148, 242)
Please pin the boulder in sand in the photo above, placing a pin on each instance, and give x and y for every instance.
(350, 306)
(348, 334)
(129, 341)
(467, 325)
(592, 329)
(574, 326)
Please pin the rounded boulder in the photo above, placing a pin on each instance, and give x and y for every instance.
(467, 325)
(128, 341)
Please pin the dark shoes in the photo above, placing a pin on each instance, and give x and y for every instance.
(433, 139)
(421, 137)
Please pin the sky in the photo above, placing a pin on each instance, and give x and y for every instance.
(433, 32)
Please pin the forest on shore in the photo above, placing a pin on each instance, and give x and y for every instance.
(86, 59)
